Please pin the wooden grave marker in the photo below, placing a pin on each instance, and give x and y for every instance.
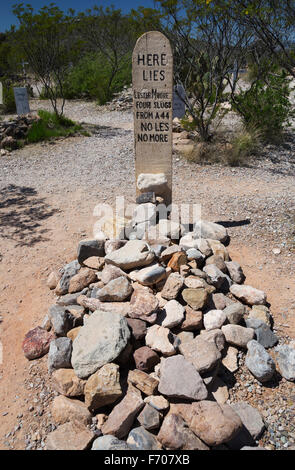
(152, 75)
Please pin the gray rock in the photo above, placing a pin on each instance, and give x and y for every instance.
(109, 442)
(100, 341)
(259, 362)
(145, 213)
(180, 379)
(117, 290)
(204, 355)
(286, 361)
(134, 254)
(144, 198)
(158, 249)
(59, 356)
(194, 254)
(214, 336)
(251, 418)
(149, 418)
(264, 335)
(110, 272)
(237, 335)
(235, 272)
(217, 278)
(248, 294)
(69, 271)
(140, 439)
(151, 275)
(88, 248)
(71, 299)
(61, 320)
(235, 313)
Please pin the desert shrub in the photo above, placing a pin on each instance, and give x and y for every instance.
(51, 125)
(8, 98)
(266, 105)
(245, 143)
(90, 79)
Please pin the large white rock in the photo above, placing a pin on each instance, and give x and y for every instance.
(173, 314)
(161, 340)
(180, 379)
(248, 294)
(100, 341)
(151, 182)
(205, 229)
(134, 254)
(214, 319)
(145, 213)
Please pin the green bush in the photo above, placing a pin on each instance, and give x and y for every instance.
(266, 105)
(51, 125)
(9, 106)
(244, 144)
(90, 79)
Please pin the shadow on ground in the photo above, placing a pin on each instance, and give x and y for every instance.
(21, 215)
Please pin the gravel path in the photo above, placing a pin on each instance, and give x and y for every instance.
(255, 202)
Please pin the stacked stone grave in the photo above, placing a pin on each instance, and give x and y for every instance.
(141, 333)
(15, 130)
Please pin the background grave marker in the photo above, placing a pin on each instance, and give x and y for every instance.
(21, 100)
(152, 72)
(178, 103)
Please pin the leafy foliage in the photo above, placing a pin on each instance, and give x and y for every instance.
(51, 125)
(266, 105)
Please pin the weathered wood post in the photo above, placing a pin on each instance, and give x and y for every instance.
(152, 71)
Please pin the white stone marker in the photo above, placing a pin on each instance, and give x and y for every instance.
(152, 73)
(21, 100)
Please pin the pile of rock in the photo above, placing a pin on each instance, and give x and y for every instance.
(15, 130)
(140, 333)
(123, 101)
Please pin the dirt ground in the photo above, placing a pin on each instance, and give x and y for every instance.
(41, 225)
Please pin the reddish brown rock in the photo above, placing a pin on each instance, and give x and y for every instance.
(53, 279)
(214, 424)
(204, 355)
(143, 305)
(172, 286)
(145, 358)
(180, 379)
(103, 387)
(94, 262)
(138, 328)
(177, 260)
(175, 434)
(72, 334)
(193, 319)
(123, 415)
(65, 409)
(84, 277)
(67, 383)
(36, 343)
(69, 436)
(143, 382)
